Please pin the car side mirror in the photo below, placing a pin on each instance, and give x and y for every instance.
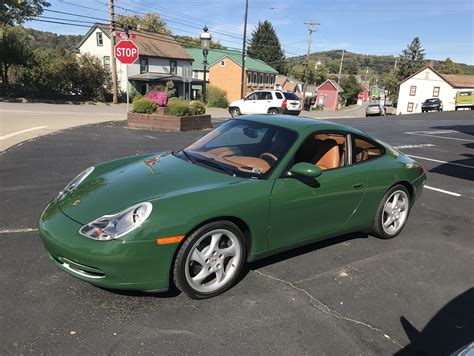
(306, 170)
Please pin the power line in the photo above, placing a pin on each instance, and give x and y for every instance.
(76, 15)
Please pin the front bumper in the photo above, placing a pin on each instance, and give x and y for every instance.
(116, 264)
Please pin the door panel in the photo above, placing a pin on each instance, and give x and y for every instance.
(307, 208)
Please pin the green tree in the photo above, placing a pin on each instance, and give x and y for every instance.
(321, 74)
(15, 50)
(93, 80)
(265, 45)
(392, 84)
(15, 12)
(351, 89)
(411, 59)
(194, 42)
(449, 67)
(151, 22)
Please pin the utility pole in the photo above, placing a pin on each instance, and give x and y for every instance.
(244, 49)
(340, 67)
(112, 52)
(311, 28)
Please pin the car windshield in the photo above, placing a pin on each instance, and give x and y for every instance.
(374, 105)
(431, 101)
(241, 148)
(291, 96)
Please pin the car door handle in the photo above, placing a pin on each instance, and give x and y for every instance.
(357, 185)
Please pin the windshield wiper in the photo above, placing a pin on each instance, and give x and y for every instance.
(212, 162)
(188, 156)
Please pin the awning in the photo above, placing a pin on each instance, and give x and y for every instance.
(160, 77)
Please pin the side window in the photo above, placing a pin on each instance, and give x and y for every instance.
(435, 92)
(325, 150)
(364, 149)
(173, 67)
(413, 90)
(265, 95)
(410, 107)
(253, 96)
(278, 95)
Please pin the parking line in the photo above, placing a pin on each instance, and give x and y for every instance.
(446, 138)
(439, 161)
(22, 131)
(443, 191)
(16, 231)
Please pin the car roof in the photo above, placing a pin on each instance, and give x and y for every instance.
(298, 123)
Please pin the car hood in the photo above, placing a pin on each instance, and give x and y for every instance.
(115, 185)
(236, 103)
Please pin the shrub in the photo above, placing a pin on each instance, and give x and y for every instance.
(159, 97)
(169, 88)
(216, 97)
(199, 107)
(179, 107)
(143, 105)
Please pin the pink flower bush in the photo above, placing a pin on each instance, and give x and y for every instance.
(159, 97)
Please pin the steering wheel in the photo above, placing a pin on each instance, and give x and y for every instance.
(269, 155)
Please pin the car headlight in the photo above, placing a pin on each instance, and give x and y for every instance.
(111, 227)
(76, 181)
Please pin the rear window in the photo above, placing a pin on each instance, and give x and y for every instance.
(291, 96)
(465, 93)
(431, 100)
(278, 95)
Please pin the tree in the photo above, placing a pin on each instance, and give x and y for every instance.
(15, 12)
(150, 22)
(265, 45)
(351, 89)
(411, 59)
(392, 84)
(15, 49)
(190, 42)
(449, 67)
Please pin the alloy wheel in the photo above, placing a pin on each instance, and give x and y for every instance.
(395, 212)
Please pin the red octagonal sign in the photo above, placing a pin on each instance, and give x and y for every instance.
(126, 52)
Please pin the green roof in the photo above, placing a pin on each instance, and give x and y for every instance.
(216, 55)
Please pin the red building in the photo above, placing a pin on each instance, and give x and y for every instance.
(328, 95)
(363, 95)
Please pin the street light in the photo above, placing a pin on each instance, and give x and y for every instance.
(205, 43)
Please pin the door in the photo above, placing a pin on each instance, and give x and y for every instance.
(250, 103)
(265, 102)
(307, 208)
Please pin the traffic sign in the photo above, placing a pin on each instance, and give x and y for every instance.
(124, 35)
(126, 52)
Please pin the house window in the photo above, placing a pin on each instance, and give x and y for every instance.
(173, 67)
(99, 38)
(271, 79)
(267, 79)
(261, 79)
(107, 62)
(195, 74)
(142, 88)
(413, 90)
(143, 65)
(249, 78)
(435, 92)
(410, 107)
(254, 78)
(222, 63)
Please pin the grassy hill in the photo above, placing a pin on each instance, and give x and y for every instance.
(355, 63)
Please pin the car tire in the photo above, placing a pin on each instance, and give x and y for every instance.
(392, 213)
(207, 251)
(272, 112)
(235, 112)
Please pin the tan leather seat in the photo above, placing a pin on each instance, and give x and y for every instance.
(330, 155)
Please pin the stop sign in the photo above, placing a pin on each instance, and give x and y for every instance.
(126, 52)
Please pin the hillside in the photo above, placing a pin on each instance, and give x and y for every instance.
(44, 39)
(355, 63)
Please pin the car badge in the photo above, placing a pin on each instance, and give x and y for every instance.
(152, 161)
(76, 202)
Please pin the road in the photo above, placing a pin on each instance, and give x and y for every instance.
(354, 294)
(24, 121)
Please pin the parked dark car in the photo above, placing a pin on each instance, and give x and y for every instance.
(433, 104)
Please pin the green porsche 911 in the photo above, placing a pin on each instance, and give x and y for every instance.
(250, 188)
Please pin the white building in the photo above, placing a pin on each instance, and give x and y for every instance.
(161, 59)
(429, 83)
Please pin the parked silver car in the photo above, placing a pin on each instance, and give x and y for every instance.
(374, 110)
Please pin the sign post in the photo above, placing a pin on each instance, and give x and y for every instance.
(126, 53)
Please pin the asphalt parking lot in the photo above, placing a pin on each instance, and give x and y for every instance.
(354, 294)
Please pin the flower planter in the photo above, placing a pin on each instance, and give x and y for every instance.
(160, 120)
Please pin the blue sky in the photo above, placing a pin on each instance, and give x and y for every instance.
(445, 27)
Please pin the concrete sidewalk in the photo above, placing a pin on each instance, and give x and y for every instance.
(24, 121)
